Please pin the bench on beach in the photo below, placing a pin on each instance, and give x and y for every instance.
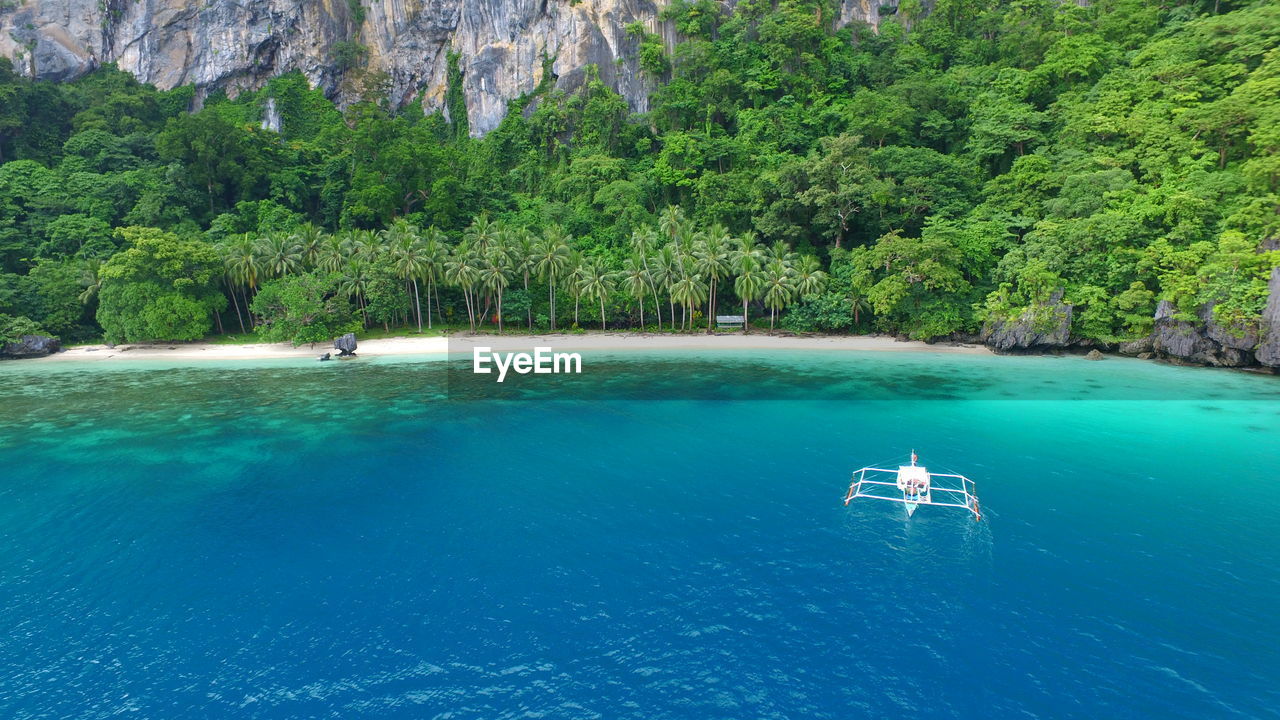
(731, 321)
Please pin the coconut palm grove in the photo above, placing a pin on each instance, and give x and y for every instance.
(950, 167)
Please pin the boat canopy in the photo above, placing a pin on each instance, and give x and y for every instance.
(913, 476)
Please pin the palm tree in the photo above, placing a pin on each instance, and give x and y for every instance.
(365, 245)
(280, 255)
(354, 282)
(480, 235)
(407, 257)
(860, 305)
(686, 240)
(309, 239)
(435, 252)
(524, 257)
(778, 288)
(503, 243)
(91, 281)
(689, 290)
(779, 251)
(89, 278)
(333, 252)
(713, 261)
(671, 222)
(552, 258)
(748, 285)
(635, 279)
(665, 273)
(809, 277)
(481, 232)
(460, 270)
(596, 283)
(575, 277)
(747, 247)
(241, 262)
(642, 240)
(493, 274)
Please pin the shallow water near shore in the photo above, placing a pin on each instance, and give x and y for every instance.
(659, 537)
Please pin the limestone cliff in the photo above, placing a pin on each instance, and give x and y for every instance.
(240, 44)
(1044, 326)
(1204, 342)
(1268, 351)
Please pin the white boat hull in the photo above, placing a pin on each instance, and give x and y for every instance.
(911, 509)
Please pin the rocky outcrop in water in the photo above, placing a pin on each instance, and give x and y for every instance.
(31, 346)
(1204, 342)
(221, 44)
(346, 345)
(1047, 326)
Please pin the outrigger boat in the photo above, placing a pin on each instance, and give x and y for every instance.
(913, 485)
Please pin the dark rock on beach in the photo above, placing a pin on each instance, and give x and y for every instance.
(324, 357)
(1043, 327)
(1093, 355)
(346, 345)
(31, 346)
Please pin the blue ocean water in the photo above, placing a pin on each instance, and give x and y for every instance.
(660, 537)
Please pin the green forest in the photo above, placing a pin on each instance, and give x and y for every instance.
(921, 178)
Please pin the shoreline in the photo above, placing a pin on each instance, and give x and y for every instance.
(439, 345)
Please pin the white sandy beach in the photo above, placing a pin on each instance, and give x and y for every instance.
(463, 343)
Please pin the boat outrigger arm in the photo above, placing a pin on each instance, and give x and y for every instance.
(913, 485)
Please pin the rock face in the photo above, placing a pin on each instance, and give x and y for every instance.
(1044, 327)
(240, 44)
(271, 116)
(31, 346)
(1205, 342)
(346, 345)
(1141, 346)
(1268, 352)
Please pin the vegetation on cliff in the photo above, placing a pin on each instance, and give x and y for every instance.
(964, 165)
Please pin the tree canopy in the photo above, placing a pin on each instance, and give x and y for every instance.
(943, 168)
(161, 287)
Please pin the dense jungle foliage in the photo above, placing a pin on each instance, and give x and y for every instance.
(954, 166)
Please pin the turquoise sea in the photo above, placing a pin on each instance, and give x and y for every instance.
(660, 537)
